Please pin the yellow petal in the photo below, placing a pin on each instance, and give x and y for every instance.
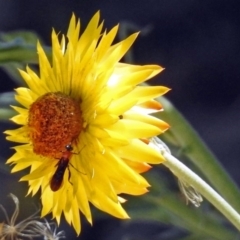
(139, 151)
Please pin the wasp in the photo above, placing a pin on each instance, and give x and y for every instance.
(62, 165)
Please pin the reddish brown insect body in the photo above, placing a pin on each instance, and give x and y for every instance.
(62, 164)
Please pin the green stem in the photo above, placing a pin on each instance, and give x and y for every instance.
(184, 173)
(195, 149)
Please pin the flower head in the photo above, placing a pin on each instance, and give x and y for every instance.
(49, 231)
(84, 124)
(24, 229)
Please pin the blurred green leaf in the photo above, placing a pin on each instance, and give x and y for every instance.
(7, 99)
(168, 209)
(11, 68)
(17, 51)
(166, 206)
(19, 46)
(26, 36)
(194, 237)
(6, 113)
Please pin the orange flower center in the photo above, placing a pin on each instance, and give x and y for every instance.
(54, 121)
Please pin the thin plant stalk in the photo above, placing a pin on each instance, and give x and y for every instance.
(195, 149)
(185, 174)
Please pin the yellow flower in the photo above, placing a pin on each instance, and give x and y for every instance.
(85, 124)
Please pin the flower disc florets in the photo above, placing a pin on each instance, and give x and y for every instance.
(54, 121)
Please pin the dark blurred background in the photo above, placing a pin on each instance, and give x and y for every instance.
(196, 41)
